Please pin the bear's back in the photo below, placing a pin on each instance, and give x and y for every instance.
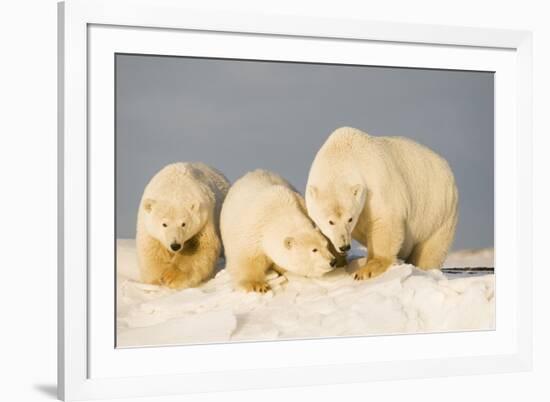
(400, 173)
(256, 186)
(256, 196)
(210, 175)
(418, 164)
(187, 180)
(336, 154)
(392, 158)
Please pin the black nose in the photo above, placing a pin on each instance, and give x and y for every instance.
(175, 246)
(345, 248)
(333, 262)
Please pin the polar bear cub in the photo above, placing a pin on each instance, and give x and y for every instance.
(177, 238)
(264, 225)
(391, 194)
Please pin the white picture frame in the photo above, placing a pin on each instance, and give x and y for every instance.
(90, 32)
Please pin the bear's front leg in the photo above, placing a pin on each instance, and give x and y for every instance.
(384, 240)
(154, 260)
(174, 278)
(249, 273)
(255, 286)
(200, 256)
(374, 267)
(186, 271)
(195, 263)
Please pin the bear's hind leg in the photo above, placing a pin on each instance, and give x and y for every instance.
(431, 254)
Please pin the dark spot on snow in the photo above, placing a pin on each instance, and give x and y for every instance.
(468, 271)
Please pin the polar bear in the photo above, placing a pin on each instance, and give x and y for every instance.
(264, 225)
(391, 194)
(177, 237)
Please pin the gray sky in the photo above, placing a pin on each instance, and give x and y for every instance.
(240, 115)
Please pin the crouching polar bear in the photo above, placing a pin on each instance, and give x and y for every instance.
(396, 197)
(177, 238)
(264, 225)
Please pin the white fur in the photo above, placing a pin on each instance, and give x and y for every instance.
(264, 225)
(400, 196)
(180, 203)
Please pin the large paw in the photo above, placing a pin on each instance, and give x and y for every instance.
(374, 268)
(255, 286)
(174, 278)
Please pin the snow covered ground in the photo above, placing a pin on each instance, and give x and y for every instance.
(403, 300)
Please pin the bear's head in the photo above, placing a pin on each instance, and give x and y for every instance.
(173, 225)
(304, 252)
(336, 211)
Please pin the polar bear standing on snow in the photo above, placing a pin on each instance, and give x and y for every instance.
(177, 236)
(391, 194)
(264, 225)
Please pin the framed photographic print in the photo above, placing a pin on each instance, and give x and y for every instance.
(259, 201)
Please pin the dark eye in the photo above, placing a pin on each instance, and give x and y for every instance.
(183, 225)
(314, 250)
(331, 222)
(164, 224)
(350, 219)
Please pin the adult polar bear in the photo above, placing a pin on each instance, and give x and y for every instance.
(391, 194)
(178, 241)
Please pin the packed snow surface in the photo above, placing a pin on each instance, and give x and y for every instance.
(403, 300)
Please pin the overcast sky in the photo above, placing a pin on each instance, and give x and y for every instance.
(241, 115)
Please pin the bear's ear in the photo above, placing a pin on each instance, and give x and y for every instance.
(289, 242)
(357, 190)
(148, 205)
(312, 191)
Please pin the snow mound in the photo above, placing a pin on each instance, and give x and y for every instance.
(403, 300)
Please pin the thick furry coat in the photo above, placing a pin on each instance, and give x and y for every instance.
(178, 239)
(391, 194)
(264, 225)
